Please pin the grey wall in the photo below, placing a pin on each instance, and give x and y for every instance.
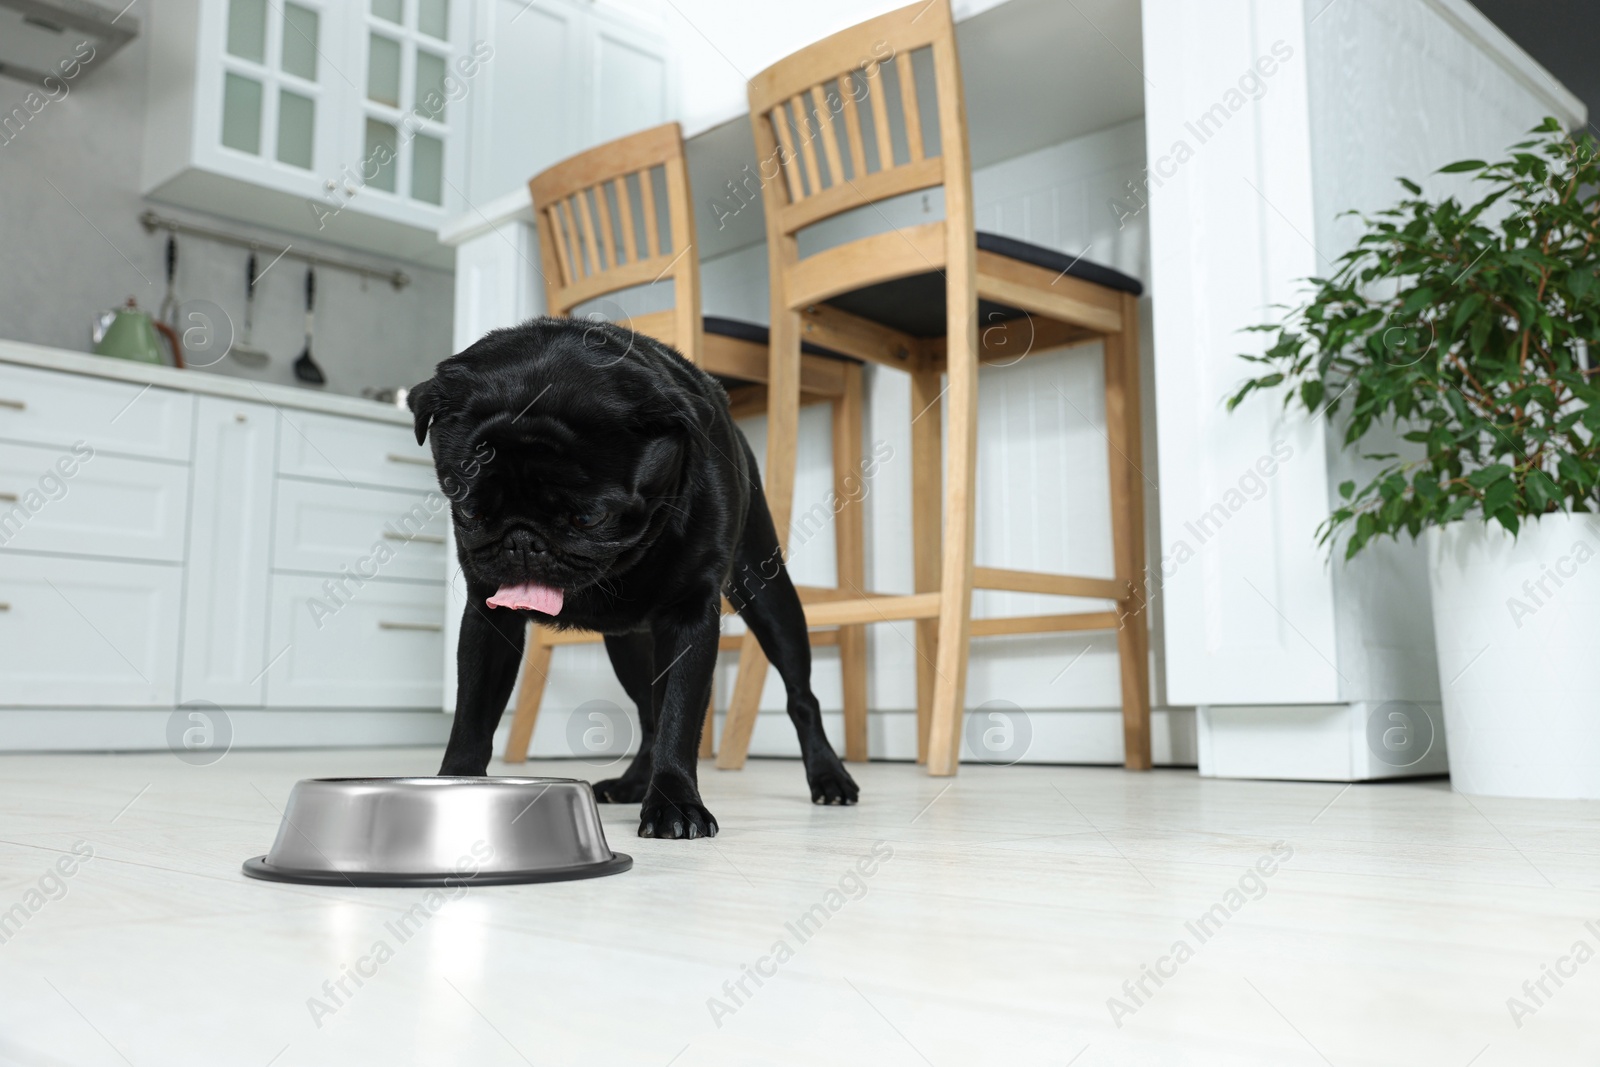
(71, 244)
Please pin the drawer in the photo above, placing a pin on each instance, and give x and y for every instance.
(324, 528)
(85, 633)
(48, 408)
(107, 505)
(379, 645)
(354, 451)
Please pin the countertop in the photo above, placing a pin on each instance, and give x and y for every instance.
(199, 382)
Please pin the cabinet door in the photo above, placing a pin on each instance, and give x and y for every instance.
(354, 452)
(339, 529)
(230, 531)
(530, 111)
(42, 407)
(88, 633)
(630, 88)
(91, 504)
(416, 72)
(273, 103)
(377, 644)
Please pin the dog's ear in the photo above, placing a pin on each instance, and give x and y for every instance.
(423, 400)
(661, 465)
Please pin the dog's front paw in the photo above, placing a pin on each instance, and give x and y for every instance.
(831, 784)
(663, 816)
(619, 791)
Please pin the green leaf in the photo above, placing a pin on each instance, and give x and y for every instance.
(1346, 489)
(1311, 392)
(1499, 496)
(1487, 476)
(1463, 165)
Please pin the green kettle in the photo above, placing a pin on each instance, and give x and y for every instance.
(130, 333)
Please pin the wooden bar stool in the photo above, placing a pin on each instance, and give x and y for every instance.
(618, 217)
(911, 299)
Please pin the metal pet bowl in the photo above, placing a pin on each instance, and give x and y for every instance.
(438, 831)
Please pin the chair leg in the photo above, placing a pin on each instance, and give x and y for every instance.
(925, 535)
(1127, 529)
(783, 420)
(960, 515)
(850, 556)
(743, 705)
(783, 433)
(530, 693)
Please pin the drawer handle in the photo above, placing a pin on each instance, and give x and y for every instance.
(396, 535)
(9, 498)
(4, 606)
(14, 405)
(416, 461)
(430, 627)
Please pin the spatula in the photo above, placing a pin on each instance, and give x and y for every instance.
(305, 368)
(245, 349)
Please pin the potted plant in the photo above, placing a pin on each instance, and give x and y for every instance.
(1470, 331)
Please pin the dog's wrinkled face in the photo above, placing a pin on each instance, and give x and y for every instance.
(563, 458)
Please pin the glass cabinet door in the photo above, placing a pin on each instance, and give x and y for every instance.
(272, 80)
(406, 110)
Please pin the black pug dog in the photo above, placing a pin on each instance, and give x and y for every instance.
(619, 497)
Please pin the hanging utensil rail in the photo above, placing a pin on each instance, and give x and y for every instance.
(153, 222)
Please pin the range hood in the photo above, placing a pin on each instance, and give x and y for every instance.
(42, 39)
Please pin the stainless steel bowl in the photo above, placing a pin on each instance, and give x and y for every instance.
(438, 831)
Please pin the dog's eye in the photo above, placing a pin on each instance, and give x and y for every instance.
(467, 512)
(587, 520)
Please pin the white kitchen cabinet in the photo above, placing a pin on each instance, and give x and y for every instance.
(335, 529)
(216, 566)
(88, 633)
(343, 120)
(372, 122)
(353, 452)
(230, 544)
(355, 644)
(567, 75)
(44, 408)
(76, 502)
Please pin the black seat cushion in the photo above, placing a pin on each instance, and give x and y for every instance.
(756, 332)
(915, 305)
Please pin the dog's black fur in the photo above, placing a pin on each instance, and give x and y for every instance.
(600, 462)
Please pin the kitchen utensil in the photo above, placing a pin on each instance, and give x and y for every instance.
(245, 350)
(129, 332)
(389, 394)
(305, 368)
(168, 312)
(438, 831)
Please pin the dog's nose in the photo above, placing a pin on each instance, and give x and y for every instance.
(522, 542)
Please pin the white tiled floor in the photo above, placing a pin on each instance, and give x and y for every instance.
(1015, 905)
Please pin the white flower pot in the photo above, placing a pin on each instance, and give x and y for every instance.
(1517, 625)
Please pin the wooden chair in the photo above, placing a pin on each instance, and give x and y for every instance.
(911, 299)
(618, 217)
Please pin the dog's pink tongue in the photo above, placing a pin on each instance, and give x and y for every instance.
(528, 597)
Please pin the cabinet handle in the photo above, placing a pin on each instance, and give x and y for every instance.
(4, 606)
(9, 498)
(416, 461)
(14, 405)
(427, 539)
(430, 627)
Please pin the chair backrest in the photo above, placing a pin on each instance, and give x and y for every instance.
(835, 132)
(617, 217)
